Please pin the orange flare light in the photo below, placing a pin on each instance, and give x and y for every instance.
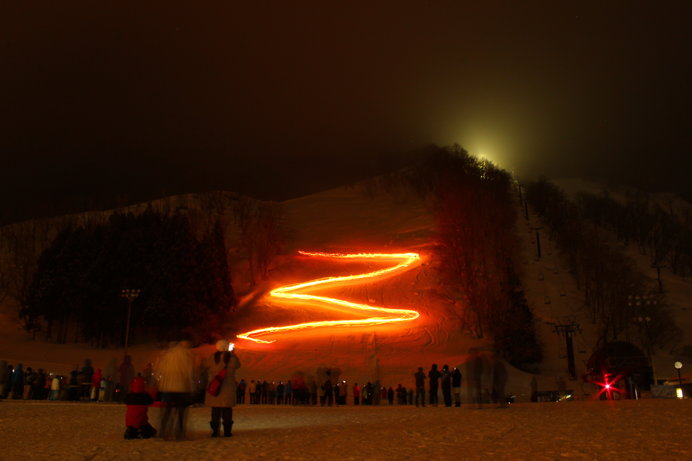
(404, 261)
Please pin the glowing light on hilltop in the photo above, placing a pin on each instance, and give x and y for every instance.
(297, 292)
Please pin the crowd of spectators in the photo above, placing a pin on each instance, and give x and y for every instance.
(89, 384)
(81, 384)
(310, 391)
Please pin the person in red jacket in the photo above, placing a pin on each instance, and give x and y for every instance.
(136, 418)
(95, 385)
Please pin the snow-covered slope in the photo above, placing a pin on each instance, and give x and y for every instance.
(350, 220)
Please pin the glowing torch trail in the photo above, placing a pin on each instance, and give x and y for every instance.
(403, 261)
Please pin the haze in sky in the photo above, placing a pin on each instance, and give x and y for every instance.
(111, 102)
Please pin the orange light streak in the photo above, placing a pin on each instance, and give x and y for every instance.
(297, 292)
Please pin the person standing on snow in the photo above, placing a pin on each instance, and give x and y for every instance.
(5, 379)
(288, 392)
(240, 397)
(446, 385)
(174, 371)
(223, 403)
(433, 376)
(54, 388)
(17, 382)
(420, 387)
(85, 385)
(29, 377)
(368, 391)
(4, 376)
(38, 385)
(336, 394)
(95, 385)
(456, 386)
(328, 392)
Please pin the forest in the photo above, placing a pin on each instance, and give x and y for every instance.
(591, 232)
(477, 248)
(184, 281)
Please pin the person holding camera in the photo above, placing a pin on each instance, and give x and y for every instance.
(222, 364)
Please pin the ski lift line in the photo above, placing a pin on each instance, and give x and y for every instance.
(290, 293)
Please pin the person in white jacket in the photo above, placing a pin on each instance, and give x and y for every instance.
(54, 388)
(223, 361)
(175, 376)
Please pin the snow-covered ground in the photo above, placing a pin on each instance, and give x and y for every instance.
(626, 430)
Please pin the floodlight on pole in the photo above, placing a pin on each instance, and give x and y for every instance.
(129, 294)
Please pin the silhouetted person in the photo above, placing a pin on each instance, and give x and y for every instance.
(241, 391)
(17, 382)
(73, 386)
(6, 380)
(328, 392)
(433, 377)
(446, 379)
(420, 387)
(85, 385)
(367, 393)
(456, 386)
(356, 394)
(288, 392)
(336, 394)
(401, 394)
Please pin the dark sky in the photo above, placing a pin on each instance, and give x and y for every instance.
(127, 100)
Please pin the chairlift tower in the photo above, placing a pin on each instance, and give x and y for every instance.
(568, 329)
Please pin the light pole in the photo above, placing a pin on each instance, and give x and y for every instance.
(678, 366)
(658, 267)
(641, 304)
(568, 329)
(130, 295)
(538, 241)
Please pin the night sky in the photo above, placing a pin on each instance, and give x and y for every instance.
(111, 102)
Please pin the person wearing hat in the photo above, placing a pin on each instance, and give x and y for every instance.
(222, 363)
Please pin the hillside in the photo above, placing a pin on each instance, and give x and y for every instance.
(354, 220)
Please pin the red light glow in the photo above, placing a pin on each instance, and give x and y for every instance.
(608, 387)
(297, 292)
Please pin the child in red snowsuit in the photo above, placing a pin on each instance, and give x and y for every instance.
(136, 419)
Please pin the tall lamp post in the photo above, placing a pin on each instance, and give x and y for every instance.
(678, 366)
(641, 304)
(130, 295)
(538, 241)
(568, 329)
